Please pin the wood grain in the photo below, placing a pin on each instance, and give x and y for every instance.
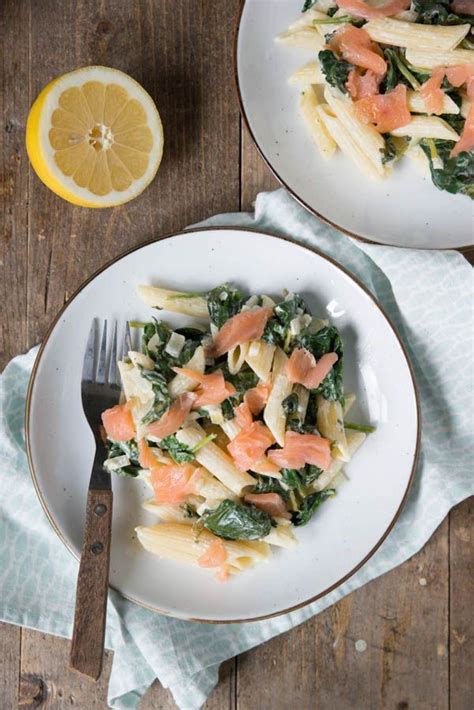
(45, 661)
(461, 637)
(87, 648)
(255, 176)
(10, 639)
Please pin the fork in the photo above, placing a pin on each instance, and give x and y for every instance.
(100, 390)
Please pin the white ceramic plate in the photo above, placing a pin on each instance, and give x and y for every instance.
(346, 530)
(404, 210)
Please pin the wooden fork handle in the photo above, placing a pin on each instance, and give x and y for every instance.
(87, 648)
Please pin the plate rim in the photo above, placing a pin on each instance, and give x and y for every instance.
(313, 251)
(360, 237)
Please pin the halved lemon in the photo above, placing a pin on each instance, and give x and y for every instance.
(94, 137)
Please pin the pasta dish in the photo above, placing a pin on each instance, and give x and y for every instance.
(388, 79)
(238, 426)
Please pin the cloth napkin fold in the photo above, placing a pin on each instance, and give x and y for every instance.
(428, 295)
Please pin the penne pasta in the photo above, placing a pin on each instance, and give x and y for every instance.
(168, 513)
(305, 76)
(465, 106)
(215, 460)
(273, 414)
(426, 38)
(427, 127)
(319, 133)
(365, 137)
(182, 383)
(430, 60)
(354, 439)
(236, 357)
(416, 103)
(304, 38)
(209, 487)
(178, 541)
(282, 535)
(259, 358)
(330, 422)
(346, 143)
(174, 301)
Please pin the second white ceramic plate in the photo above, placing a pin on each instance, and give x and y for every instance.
(403, 210)
(346, 530)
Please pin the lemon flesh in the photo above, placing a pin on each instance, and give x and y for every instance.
(94, 137)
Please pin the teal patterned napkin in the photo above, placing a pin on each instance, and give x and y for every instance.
(429, 297)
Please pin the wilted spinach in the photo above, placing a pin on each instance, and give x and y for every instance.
(308, 4)
(298, 479)
(334, 69)
(326, 340)
(223, 302)
(457, 173)
(179, 452)
(310, 505)
(276, 329)
(290, 404)
(162, 396)
(127, 448)
(394, 148)
(438, 12)
(265, 484)
(234, 521)
(398, 72)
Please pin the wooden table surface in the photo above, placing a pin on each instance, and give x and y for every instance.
(417, 619)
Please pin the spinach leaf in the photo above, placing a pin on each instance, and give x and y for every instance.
(179, 452)
(162, 400)
(394, 148)
(277, 327)
(310, 505)
(234, 521)
(308, 425)
(127, 448)
(227, 409)
(265, 484)
(191, 333)
(300, 478)
(290, 404)
(223, 302)
(244, 380)
(326, 340)
(189, 511)
(335, 70)
(438, 12)
(397, 71)
(457, 174)
(455, 120)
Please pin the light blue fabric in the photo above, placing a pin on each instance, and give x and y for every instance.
(429, 297)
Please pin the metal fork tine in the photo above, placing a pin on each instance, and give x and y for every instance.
(88, 364)
(127, 340)
(102, 356)
(112, 371)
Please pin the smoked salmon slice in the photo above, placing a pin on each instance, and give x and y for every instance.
(214, 556)
(360, 85)
(146, 457)
(359, 8)
(271, 503)
(212, 388)
(301, 449)
(355, 46)
(386, 111)
(257, 397)
(250, 444)
(432, 92)
(171, 421)
(248, 325)
(172, 483)
(118, 422)
(303, 369)
(243, 415)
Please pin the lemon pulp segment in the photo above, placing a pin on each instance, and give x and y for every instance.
(94, 136)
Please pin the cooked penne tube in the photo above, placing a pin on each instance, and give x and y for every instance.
(349, 400)
(369, 141)
(465, 106)
(304, 38)
(236, 357)
(330, 422)
(427, 38)
(273, 414)
(431, 60)
(282, 535)
(355, 439)
(346, 143)
(177, 541)
(416, 103)
(231, 427)
(215, 460)
(319, 133)
(305, 76)
(260, 358)
(208, 486)
(168, 513)
(175, 301)
(182, 383)
(427, 127)
(308, 21)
